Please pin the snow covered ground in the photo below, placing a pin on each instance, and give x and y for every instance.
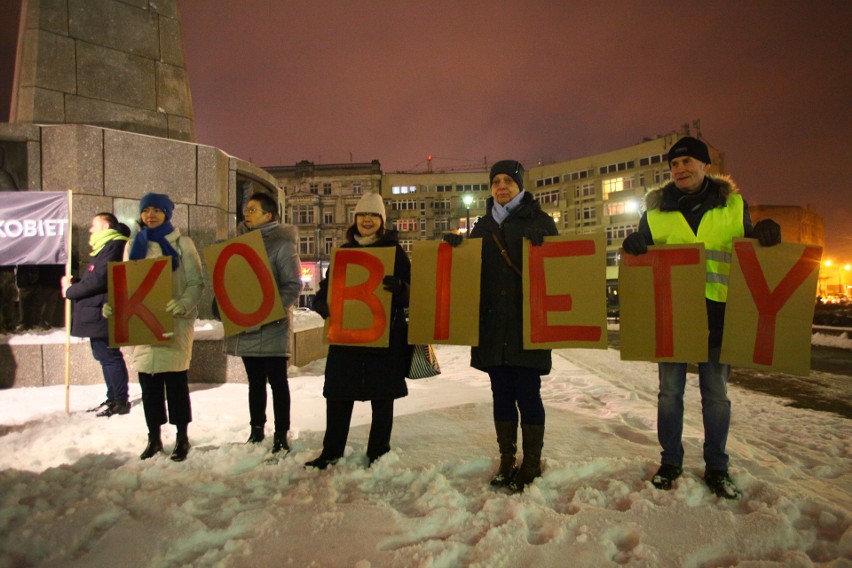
(74, 493)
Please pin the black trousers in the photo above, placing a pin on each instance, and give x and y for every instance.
(159, 387)
(337, 419)
(259, 371)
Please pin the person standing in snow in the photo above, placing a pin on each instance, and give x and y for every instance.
(697, 207)
(376, 374)
(107, 237)
(163, 368)
(265, 349)
(511, 215)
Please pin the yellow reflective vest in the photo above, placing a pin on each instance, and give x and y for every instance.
(717, 229)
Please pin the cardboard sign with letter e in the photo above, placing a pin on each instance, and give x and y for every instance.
(358, 305)
(565, 293)
(243, 284)
(663, 312)
(138, 293)
(444, 295)
(770, 307)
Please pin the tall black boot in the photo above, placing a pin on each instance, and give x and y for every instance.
(155, 446)
(256, 435)
(507, 441)
(181, 448)
(279, 442)
(533, 441)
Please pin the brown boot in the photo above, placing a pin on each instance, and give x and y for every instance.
(533, 440)
(507, 441)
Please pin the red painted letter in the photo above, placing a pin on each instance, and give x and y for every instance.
(127, 307)
(264, 278)
(442, 291)
(364, 292)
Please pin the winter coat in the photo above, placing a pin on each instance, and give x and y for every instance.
(670, 199)
(273, 339)
(187, 285)
(90, 292)
(371, 373)
(501, 289)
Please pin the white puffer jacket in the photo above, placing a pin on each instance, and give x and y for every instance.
(187, 285)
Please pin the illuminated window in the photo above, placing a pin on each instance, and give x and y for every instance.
(403, 189)
(612, 185)
(406, 224)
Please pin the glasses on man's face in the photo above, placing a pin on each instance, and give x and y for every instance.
(250, 210)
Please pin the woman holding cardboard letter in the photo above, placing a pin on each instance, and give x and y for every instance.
(512, 215)
(163, 368)
(376, 374)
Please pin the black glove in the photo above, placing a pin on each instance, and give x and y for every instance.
(453, 239)
(535, 236)
(768, 232)
(393, 284)
(635, 244)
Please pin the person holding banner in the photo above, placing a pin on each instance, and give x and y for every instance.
(511, 215)
(163, 368)
(696, 207)
(264, 349)
(107, 237)
(367, 373)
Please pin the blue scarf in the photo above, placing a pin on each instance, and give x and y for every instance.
(139, 250)
(500, 212)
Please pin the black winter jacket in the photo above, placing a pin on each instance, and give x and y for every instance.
(90, 292)
(501, 289)
(371, 373)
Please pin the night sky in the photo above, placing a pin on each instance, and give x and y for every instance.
(469, 80)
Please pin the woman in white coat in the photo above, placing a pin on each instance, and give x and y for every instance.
(163, 368)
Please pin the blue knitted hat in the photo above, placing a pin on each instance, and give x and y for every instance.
(160, 201)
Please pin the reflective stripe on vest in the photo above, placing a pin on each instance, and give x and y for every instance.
(717, 229)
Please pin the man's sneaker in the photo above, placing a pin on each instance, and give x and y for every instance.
(115, 408)
(721, 483)
(105, 404)
(665, 476)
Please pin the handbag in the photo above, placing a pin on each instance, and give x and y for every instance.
(424, 362)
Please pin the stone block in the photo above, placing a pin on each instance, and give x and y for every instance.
(19, 131)
(47, 61)
(213, 178)
(83, 110)
(127, 211)
(211, 365)
(114, 24)
(171, 47)
(84, 208)
(136, 165)
(73, 157)
(39, 105)
(109, 75)
(307, 346)
(208, 225)
(181, 128)
(173, 90)
(166, 8)
(21, 366)
(13, 159)
(85, 370)
(33, 182)
(49, 15)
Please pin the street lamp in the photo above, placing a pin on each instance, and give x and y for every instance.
(467, 199)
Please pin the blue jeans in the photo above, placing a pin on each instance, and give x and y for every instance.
(715, 409)
(516, 389)
(114, 369)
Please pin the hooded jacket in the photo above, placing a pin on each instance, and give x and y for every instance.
(501, 289)
(273, 339)
(90, 292)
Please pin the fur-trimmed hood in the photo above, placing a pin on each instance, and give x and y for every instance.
(666, 198)
(273, 229)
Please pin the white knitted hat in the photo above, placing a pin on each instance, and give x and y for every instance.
(372, 203)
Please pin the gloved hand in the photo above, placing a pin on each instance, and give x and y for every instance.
(393, 284)
(535, 236)
(635, 244)
(175, 308)
(768, 232)
(453, 239)
(106, 311)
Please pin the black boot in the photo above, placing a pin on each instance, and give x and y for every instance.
(322, 462)
(181, 448)
(507, 441)
(533, 440)
(115, 408)
(105, 404)
(256, 435)
(155, 446)
(279, 442)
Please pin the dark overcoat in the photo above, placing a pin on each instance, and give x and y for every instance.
(90, 292)
(371, 373)
(501, 289)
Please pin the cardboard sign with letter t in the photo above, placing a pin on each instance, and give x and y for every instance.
(138, 293)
